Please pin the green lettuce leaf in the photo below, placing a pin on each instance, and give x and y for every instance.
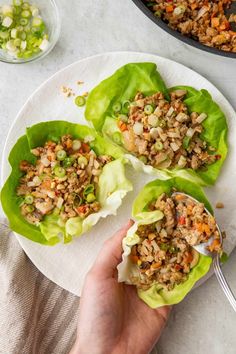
(215, 130)
(121, 86)
(156, 296)
(113, 185)
(144, 77)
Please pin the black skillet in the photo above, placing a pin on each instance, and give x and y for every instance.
(178, 35)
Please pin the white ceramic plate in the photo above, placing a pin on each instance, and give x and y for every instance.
(67, 265)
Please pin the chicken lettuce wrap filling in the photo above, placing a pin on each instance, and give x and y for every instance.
(164, 134)
(64, 178)
(164, 252)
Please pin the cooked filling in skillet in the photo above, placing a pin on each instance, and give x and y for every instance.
(63, 181)
(164, 253)
(164, 134)
(202, 20)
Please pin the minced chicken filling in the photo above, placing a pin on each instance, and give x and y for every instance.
(203, 20)
(164, 253)
(164, 134)
(64, 180)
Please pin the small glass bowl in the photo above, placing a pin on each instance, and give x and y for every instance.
(50, 15)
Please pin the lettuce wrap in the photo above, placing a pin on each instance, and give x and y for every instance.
(156, 295)
(112, 187)
(144, 77)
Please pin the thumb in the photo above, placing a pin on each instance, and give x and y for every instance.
(110, 254)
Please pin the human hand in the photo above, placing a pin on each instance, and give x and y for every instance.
(112, 319)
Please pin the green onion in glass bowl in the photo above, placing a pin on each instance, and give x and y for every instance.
(28, 29)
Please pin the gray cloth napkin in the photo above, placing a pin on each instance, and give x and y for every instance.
(36, 315)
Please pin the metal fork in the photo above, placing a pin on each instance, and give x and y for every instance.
(202, 248)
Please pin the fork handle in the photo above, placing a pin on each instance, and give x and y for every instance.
(223, 282)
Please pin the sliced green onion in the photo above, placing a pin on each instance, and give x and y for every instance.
(7, 22)
(25, 6)
(77, 201)
(29, 208)
(143, 159)
(164, 246)
(123, 117)
(158, 145)
(34, 11)
(173, 249)
(88, 189)
(17, 42)
(80, 101)
(162, 123)
(37, 22)
(158, 13)
(116, 137)
(23, 45)
(23, 36)
(61, 155)
(76, 145)
(4, 35)
(116, 107)
(28, 26)
(44, 45)
(23, 21)
(90, 198)
(68, 162)
(14, 33)
(59, 171)
(186, 142)
(126, 106)
(29, 199)
(148, 109)
(82, 161)
(26, 14)
(10, 46)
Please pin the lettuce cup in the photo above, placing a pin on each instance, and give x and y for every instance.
(64, 178)
(159, 255)
(178, 131)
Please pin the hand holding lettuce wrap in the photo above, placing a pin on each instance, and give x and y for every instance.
(64, 178)
(112, 317)
(178, 131)
(158, 255)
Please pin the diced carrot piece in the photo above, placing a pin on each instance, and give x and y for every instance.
(215, 246)
(169, 8)
(46, 184)
(81, 209)
(85, 147)
(194, 6)
(199, 227)
(188, 258)
(156, 265)
(178, 267)
(215, 22)
(179, 197)
(122, 126)
(182, 220)
(207, 229)
(224, 26)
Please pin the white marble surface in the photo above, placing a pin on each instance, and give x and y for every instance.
(204, 322)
